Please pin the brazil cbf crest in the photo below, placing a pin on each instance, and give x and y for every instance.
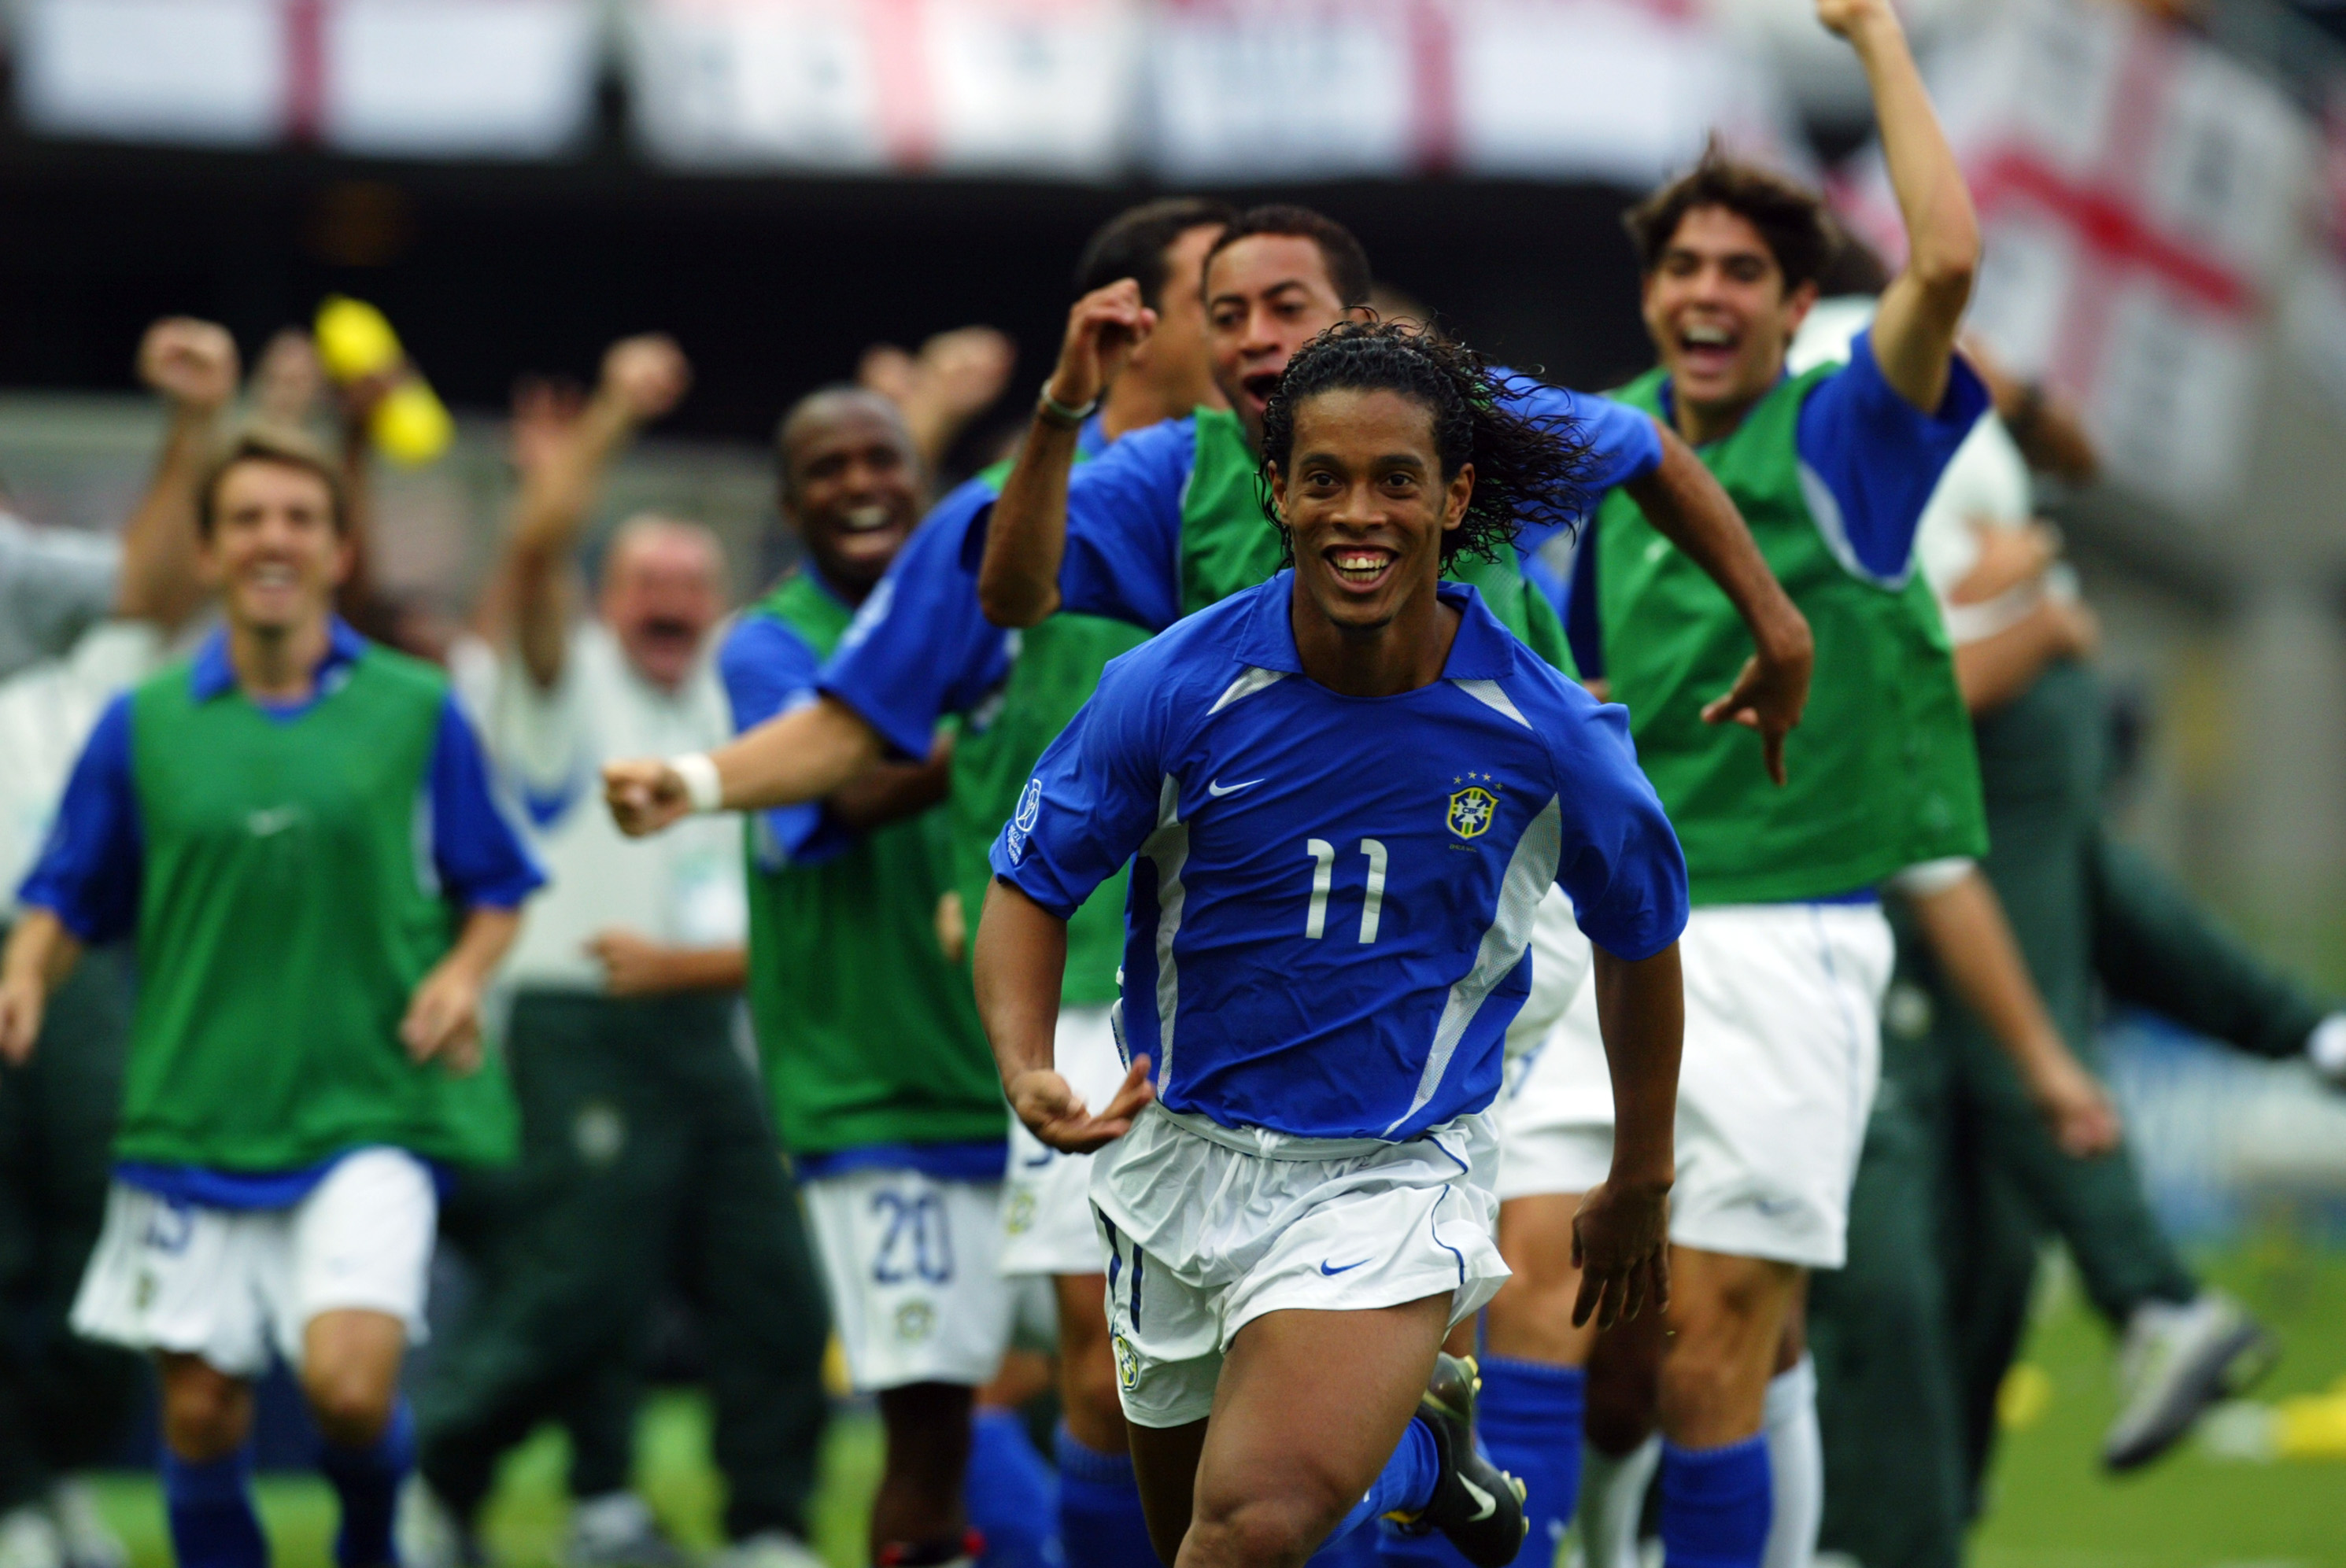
(1472, 808)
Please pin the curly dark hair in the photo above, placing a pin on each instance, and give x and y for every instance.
(1528, 468)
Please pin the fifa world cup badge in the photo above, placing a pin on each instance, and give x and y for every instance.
(1471, 808)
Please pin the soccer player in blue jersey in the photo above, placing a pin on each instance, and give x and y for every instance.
(1343, 792)
(296, 827)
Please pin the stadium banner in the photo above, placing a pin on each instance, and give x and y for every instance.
(438, 78)
(1618, 90)
(2144, 199)
(1024, 87)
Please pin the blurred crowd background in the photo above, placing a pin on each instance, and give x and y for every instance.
(788, 187)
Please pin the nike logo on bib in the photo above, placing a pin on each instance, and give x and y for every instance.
(1217, 791)
(274, 820)
(1323, 1263)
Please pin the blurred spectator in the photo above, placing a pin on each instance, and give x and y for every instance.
(647, 1150)
(64, 1401)
(954, 378)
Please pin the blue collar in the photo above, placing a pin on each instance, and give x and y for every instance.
(212, 676)
(1484, 649)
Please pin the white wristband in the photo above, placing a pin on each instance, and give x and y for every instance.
(702, 787)
(2327, 1046)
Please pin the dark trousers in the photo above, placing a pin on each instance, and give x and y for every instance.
(1955, 1197)
(648, 1157)
(64, 1403)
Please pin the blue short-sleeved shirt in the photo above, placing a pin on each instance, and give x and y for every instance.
(89, 872)
(1332, 897)
(1123, 556)
(1869, 461)
(769, 669)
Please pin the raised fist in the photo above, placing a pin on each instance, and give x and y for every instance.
(648, 375)
(192, 362)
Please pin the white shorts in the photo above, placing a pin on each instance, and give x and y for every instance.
(1047, 1206)
(910, 1261)
(1783, 1052)
(1209, 1229)
(1561, 958)
(227, 1284)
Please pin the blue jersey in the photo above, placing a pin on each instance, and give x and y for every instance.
(1332, 897)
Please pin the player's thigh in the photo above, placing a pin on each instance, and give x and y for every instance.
(910, 1262)
(360, 1243)
(1088, 1363)
(1726, 1322)
(1531, 1317)
(1164, 1467)
(1308, 1409)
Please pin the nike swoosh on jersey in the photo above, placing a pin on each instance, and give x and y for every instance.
(1216, 789)
(1323, 1262)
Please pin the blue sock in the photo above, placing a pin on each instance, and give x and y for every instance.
(1530, 1417)
(1353, 1548)
(1398, 1548)
(1012, 1495)
(1716, 1504)
(367, 1481)
(1405, 1485)
(1100, 1522)
(211, 1507)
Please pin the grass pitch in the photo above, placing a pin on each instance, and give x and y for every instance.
(2052, 1507)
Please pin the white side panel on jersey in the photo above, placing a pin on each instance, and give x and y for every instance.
(1169, 846)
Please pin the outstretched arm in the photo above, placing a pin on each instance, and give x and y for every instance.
(1018, 579)
(1620, 1237)
(1687, 505)
(1914, 330)
(1022, 958)
(643, 378)
(193, 364)
(954, 378)
(41, 953)
(1964, 923)
(796, 757)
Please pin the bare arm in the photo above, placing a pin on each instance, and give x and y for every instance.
(1621, 1235)
(1914, 330)
(954, 378)
(893, 791)
(1993, 669)
(635, 965)
(2047, 428)
(804, 754)
(1018, 577)
(642, 379)
(1022, 958)
(41, 953)
(443, 1016)
(1965, 926)
(194, 365)
(1686, 503)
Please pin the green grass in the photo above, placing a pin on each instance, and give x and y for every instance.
(2052, 1507)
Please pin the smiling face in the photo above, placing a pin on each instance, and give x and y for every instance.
(1719, 315)
(273, 550)
(1267, 295)
(663, 589)
(1366, 505)
(852, 484)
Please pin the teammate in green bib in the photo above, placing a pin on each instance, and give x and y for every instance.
(873, 1054)
(296, 828)
(1787, 953)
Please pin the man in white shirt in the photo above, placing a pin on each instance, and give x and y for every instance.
(646, 1152)
(81, 616)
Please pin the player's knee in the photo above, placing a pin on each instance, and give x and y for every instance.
(350, 1404)
(1531, 1318)
(206, 1413)
(1265, 1530)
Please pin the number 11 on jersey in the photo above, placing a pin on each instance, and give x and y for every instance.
(1324, 875)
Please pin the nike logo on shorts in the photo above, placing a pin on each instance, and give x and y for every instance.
(1323, 1262)
(1218, 791)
